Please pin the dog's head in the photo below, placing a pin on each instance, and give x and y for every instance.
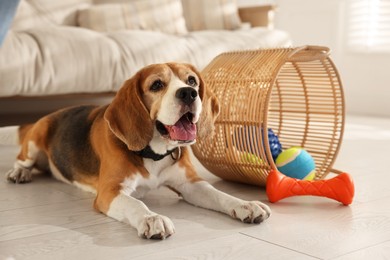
(168, 102)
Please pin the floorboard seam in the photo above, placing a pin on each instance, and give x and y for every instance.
(360, 249)
(269, 242)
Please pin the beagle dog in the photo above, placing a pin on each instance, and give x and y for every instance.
(137, 143)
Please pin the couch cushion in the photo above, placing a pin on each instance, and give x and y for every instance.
(156, 15)
(32, 13)
(211, 15)
(62, 60)
(206, 45)
(48, 61)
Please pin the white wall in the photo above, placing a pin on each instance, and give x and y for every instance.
(366, 77)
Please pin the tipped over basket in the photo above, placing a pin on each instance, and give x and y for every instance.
(294, 91)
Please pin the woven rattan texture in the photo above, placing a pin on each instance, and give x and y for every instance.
(295, 91)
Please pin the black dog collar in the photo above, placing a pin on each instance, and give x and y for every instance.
(147, 152)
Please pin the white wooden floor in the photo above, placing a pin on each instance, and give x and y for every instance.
(46, 219)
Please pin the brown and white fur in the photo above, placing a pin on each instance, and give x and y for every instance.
(95, 148)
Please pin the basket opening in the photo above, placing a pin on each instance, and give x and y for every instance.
(306, 110)
(295, 92)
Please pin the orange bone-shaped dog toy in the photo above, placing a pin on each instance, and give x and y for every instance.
(340, 188)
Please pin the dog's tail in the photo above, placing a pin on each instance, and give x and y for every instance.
(13, 135)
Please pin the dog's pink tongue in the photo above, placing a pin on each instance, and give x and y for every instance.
(183, 130)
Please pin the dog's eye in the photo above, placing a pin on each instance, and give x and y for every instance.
(191, 81)
(157, 85)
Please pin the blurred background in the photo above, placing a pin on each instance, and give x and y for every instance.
(358, 33)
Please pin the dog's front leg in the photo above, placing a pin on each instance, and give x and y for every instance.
(125, 208)
(204, 195)
(201, 193)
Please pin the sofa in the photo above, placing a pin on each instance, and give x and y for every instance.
(93, 46)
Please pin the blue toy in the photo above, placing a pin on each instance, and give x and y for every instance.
(274, 144)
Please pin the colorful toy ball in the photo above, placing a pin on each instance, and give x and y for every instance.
(295, 162)
(252, 158)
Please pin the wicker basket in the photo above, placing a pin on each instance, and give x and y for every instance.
(294, 91)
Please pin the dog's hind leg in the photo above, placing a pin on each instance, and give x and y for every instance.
(21, 172)
(31, 154)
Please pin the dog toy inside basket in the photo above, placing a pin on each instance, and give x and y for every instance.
(297, 93)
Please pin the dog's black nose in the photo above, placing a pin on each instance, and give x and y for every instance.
(187, 95)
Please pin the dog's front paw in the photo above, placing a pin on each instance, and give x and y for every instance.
(19, 175)
(156, 227)
(251, 212)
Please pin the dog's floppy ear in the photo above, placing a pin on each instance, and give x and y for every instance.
(210, 110)
(128, 117)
